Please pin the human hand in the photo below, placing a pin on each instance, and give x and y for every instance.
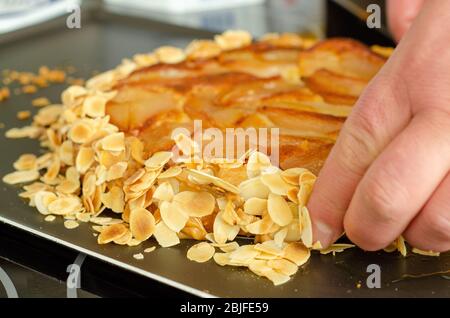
(388, 173)
(401, 14)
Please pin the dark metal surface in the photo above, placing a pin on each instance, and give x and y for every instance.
(100, 45)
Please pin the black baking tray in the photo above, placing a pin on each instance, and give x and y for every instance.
(100, 44)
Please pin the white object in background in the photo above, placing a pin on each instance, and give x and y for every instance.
(182, 6)
(20, 14)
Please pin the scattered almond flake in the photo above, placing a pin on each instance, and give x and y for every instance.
(138, 256)
(233, 39)
(401, 246)
(269, 247)
(257, 162)
(40, 102)
(280, 236)
(133, 242)
(276, 277)
(279, 210)
(296, 253)
(227, 247)
(307, 235)
(253, 188)
(201, 252)
(171, 172)
(336, 248)
(276, 184)
(214, 180)
(70, 224)
(158, 160)
(195, 204)
(81, 132)
(100, 220)
(114, 199)
(173, 216)
(283, 266)
(21, 176)
(42, 199)
(202, 49)
(24, 132)
(24, 114)
(142, 224)
(244, 254)
(94, 106)
(26, 162)
(222, 259)
(150, 249)
(124, 239)
(111, 233)
(29, 89)
(143, 60)
(65, 205)
(223, 231)
(317, 246)
(49, 218)
(170, 54)
(116, 171)
(165, 236)
(83, 217)
(164, 192)
(425, 253)
(262, 226)
(255, 206)
(114, 142)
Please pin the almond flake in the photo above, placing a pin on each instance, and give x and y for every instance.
(195, 204)
(201, 252)
(114, 142)
(26, 162)
(21, 177)
(70, 224)
(165, 236)
(279, 210)
(172, 216)
(296, 253)
(158, 160)
(111, 233)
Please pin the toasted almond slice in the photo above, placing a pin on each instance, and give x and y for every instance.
(253, 188)
(81, 132)
(42, 199)
(283, 266)
(307, 177)
(317, 246)
(171, 172)
(21, 176)
(71, 93)
(187, 146)
(279, 210)
(94, 106)
(401, 246)
(207, 178)
(135, 177)
(49, 218)
(142, 224)
(425, 253)
(280, 236)
(195, 204)
(114, 142)
(294, 231)
(257, 162)
(202, 49)
(71, 224)
(165, 236)
(116, 171)
(276, 184)
(296, 253)
(138, 256)
(83, 217)
(84, 159)
(150, 249)
(336, 248)
(158, 160)
(164, 192)
(100, 220)
(172, 216)
(244, 254)
(277, 278)
(133, 242)
(292, 194)
(269, 247)
(291, 176)
(259, 267)
(114, 199)
(223, 231)
(68, 187)
(222, 259)
(233, 39)
(26, 162)
(170, 54)
(255, 206)
(65, 205)
(24, 132)
(304, 193)
(227, 247)
(307, 235)
(111, 233)
(201, 252)
(124, 239)
(262, 226)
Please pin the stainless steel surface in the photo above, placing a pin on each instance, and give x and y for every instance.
(100, 45)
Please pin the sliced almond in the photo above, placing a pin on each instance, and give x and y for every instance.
(142, 224)
(255, 206)
(279, 210)
(276, 277)
(21, 177)
(201, 252)
(171, 172)
(165, 236)
(283, 266)
(111, 233)
(233, 39)
(65, 205)
(94, 106)
(276, 184)
(42, 199)
(257, 162)
(253, 188)
(296, 253)
(172, 216)
(164, 192)
(336, 248)
(26, 162)
(158, 160)
(114, 142)
(71, 224)
(307, 234)
(195, 204)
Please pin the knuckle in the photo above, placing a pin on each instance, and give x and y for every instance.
(439, 225)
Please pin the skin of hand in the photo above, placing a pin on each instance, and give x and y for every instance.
(388, 173)
(401, 14)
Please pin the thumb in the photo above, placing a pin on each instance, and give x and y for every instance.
(401, 14)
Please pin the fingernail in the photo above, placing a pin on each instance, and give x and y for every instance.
(323, 233)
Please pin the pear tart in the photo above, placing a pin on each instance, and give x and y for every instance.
(109, 159)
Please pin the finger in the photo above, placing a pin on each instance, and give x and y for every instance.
(401, 14)
(430, 230)
(379, 115)
(400, 181)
